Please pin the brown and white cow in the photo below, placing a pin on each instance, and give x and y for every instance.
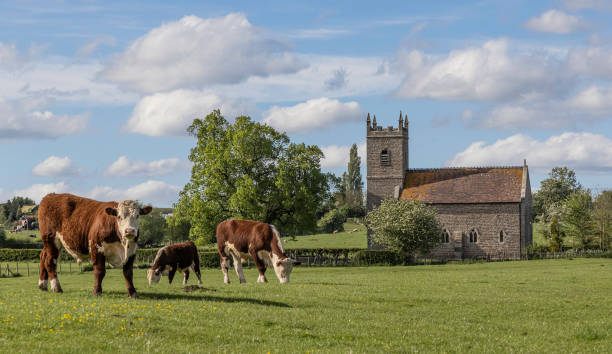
(243, 239)
(104, 231)
(169, 259)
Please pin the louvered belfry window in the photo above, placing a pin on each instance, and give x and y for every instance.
(385, 158)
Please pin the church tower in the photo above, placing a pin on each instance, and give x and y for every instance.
(387, 160)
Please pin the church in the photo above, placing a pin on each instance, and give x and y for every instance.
(485, 212)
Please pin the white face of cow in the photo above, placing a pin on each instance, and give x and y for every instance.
(154, 275)
(283, 269)
(128, 217)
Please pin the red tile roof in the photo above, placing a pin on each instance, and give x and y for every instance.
(464, 185)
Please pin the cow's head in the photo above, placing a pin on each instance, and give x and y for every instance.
(154, 275)
(128, 217)
(283, 268)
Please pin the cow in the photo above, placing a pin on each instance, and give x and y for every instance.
(104, 231)
(169, 259)
(243, 239)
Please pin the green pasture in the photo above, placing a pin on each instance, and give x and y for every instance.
(523, 306)
(353, 236)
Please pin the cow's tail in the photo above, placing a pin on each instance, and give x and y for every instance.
(196, 258)
(277, 242)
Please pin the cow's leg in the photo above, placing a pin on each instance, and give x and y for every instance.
(185, 276)
(52, 254)
(196, 270)
(99, 267)
(171, 274)
(44, 276)
(260, 267)
(128, 274)
(225, 268)
(238, 268)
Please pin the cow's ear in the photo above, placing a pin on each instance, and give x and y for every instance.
(111, 211)
(146, 210)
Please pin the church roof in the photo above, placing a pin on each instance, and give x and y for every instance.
(465, 185)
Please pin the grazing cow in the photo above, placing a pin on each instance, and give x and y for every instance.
(104, 231)
(169, 259)
(259, 241)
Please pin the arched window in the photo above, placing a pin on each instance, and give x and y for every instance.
(473, 236)
(445, 236)
(502, 236)
(385, 158)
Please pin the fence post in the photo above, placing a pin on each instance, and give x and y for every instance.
(16, 267)
(28, 268)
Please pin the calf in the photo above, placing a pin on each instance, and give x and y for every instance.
(169, 259)
(104, 231)
(243, 239)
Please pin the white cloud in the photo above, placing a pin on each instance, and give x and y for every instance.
(486, 73)
(124, 167)
(337, 156)
(172, 112)
(194, 52)
(593, 99)
(8, 55)
(312, 114)
(595, 61)
(54, 166)
(97, 42)
(588, 4)
(586, 152)
(319, 33)
(338, 80)
(37, 191)
(365, 80)
(28, 119)
(153, 192)
(29, 74)
(555, 21)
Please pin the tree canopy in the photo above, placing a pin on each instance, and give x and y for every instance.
(248, 170)
(555, 189)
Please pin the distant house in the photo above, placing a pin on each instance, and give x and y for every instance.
(485, 212)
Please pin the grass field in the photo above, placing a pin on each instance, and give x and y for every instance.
(345, 239)
(528, 306)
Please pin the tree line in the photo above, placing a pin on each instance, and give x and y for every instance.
(569, 215)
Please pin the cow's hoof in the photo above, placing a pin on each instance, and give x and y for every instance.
(133, 295)
(97, 292)
(43, 288)
(57, 289)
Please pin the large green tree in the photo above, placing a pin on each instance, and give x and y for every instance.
(352, 181)
(578, 220)
(407, 226)
(11, 210)
(555, 189)
(249, 170)
(152, 229)
(602, 213)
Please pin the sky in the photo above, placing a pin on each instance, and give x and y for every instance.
(95, 97)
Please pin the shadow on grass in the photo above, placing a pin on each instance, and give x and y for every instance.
(195, 297)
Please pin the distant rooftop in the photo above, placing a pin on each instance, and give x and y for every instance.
(464, 185)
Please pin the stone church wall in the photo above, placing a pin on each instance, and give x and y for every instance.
(488, 220)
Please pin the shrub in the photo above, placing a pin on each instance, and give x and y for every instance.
(381, 257)
(406, 226)
(333, 220)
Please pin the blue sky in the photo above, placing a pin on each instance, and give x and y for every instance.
(95, 96)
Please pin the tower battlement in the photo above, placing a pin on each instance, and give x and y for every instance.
(387, 159)
(402, 126)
